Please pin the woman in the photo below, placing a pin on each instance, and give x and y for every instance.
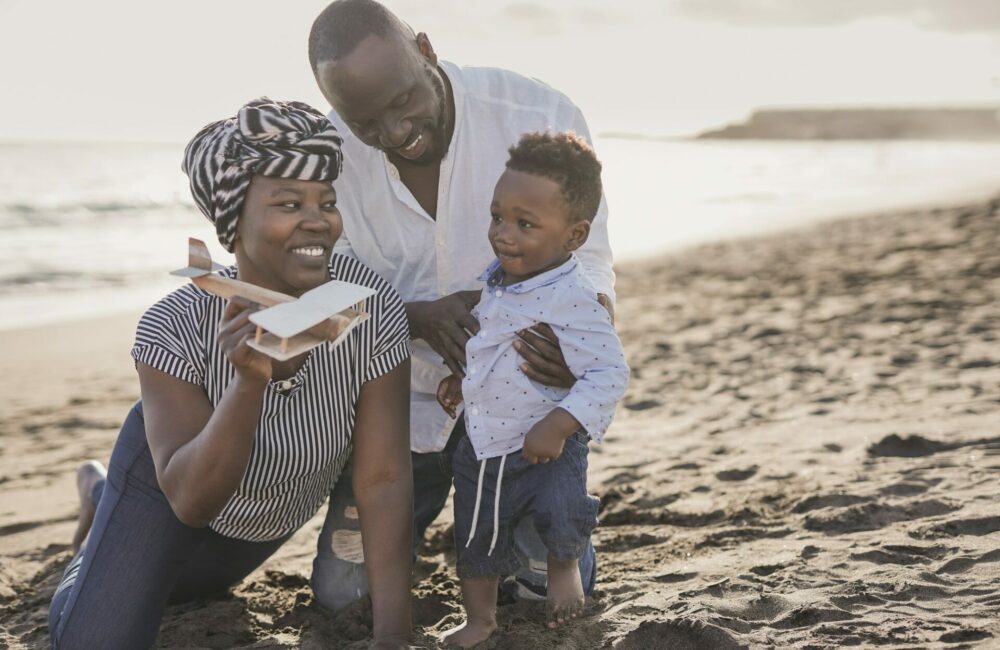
(230, 451)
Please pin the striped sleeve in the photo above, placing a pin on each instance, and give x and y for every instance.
(387, 333)
(168, 338)
(391, 340)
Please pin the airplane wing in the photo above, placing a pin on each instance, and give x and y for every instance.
(313, 307)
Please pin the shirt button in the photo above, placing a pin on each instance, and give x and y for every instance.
(498, 293)
(474, 411)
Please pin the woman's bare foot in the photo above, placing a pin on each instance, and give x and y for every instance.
(565, 591)
(87, 477)
(468, 634)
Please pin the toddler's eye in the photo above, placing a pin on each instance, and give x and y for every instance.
(525, 224)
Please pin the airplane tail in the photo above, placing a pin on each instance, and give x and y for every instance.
(199, 261)
(198, 255)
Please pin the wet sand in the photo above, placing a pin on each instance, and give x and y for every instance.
(808, 457)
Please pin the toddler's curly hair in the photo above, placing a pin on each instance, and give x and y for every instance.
(567, 159)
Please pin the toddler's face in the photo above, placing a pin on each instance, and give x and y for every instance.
(531, 229)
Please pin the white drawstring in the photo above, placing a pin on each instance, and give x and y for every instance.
(479, 497)
(496, 504)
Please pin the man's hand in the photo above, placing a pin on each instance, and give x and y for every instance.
(545, 440)
(446, 325)
(544, 361)
(607, 304)
(449, 393)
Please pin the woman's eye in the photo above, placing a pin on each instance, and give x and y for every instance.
(330, 205)
(290, 205)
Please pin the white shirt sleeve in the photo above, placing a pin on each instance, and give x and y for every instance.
(595, 255)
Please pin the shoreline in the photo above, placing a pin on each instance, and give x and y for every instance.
(806, 457)
(136, 307)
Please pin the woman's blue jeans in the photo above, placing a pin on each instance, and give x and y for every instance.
(139, 557)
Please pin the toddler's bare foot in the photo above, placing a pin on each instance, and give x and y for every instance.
(565, 591)
(468, 634)
(87, 477)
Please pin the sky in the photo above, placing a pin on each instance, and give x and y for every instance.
(144, 71)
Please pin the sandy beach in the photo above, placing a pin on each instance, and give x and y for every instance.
(808, 457)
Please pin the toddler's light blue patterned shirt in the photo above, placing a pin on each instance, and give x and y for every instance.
(501, 402)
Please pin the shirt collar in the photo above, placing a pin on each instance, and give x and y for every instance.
(491, 276)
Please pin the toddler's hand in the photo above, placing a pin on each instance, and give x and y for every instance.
(545, 439)
(543, 443)
(449, 394)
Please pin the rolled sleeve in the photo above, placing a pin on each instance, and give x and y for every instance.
(391, 335)
(595, 356)
(171, 344)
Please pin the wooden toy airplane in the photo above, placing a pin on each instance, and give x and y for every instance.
(288, 326)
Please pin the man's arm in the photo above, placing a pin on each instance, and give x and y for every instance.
(595, 254)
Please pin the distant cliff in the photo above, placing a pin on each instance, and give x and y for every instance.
(866, 124)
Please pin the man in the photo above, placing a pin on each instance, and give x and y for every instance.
(424, 144)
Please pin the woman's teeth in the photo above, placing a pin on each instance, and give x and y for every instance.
(312, 251)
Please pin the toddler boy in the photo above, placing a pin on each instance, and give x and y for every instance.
(526, 450)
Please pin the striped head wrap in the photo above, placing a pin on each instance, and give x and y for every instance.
(270, 138)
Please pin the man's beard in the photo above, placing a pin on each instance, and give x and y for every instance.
(439, 128)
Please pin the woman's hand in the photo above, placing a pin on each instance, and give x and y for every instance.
(235, 330)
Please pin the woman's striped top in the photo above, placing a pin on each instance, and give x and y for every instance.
(303, 438)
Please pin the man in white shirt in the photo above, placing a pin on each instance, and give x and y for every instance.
(424, 144)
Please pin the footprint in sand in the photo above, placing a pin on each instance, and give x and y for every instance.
(736, 474)
(912, 446)
(977, 526)
(872, 516)
(680, 634)
(643, 405)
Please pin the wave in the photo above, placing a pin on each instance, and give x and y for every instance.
(62, 280)
(94, 206)
(21, 216)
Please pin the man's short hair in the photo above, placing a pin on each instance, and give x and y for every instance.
(345, 23)
(566, 159)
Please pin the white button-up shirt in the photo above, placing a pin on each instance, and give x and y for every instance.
(426, 258)
(503, 403)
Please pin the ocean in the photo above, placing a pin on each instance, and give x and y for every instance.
(93, 229)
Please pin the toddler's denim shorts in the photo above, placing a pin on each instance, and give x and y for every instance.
(553, 494)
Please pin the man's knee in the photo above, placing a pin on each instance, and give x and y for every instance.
(336, 583)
